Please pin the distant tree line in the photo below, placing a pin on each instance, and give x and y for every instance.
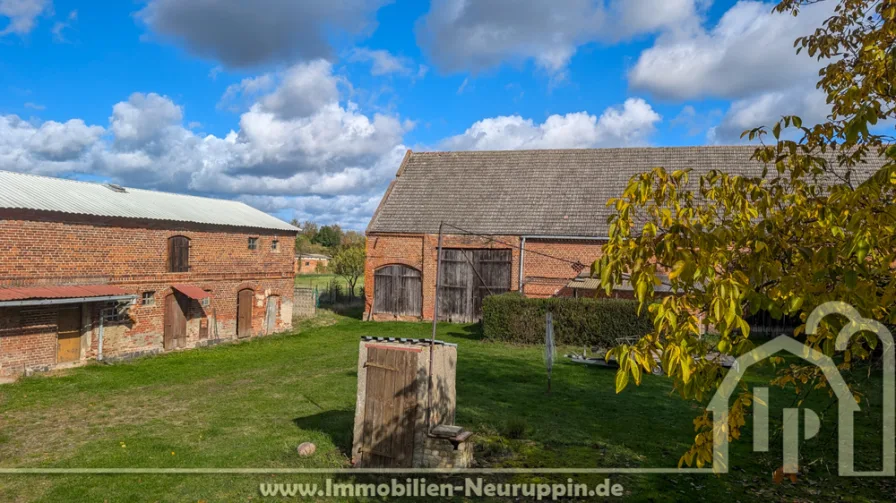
(347, 249)
(325, 239)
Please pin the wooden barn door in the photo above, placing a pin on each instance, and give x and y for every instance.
(68, 335)
(456, 294)
(494, 268)
(390, 407)
(397, 289)
(244, 302)
(176, 307)
(468, 276)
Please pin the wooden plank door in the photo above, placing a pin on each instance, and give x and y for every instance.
(468, 276)
(244, 302)
(175, 322)
(270, 314)
(68, 335)
(390, 408)
(456, 293)
(494, 269)
(397, 289)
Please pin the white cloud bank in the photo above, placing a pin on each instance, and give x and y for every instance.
(626, 125)
(300, 147)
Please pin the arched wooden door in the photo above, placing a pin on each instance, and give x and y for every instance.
(244, 302)
(397, 290)
(175, 321)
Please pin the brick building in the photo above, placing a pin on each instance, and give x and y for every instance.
(310, 263)
(93, 271)
(525, 221)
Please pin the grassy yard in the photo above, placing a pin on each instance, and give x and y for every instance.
(322, 280)
(250, 404)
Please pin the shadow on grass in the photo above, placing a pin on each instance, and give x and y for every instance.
(353, 310)
(337, 424)
(471, 332)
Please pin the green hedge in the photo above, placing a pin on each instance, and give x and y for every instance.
(510, 317)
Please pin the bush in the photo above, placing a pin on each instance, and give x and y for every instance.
(510, 317)
(515, 428)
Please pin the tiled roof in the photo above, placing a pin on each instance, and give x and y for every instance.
(31, 192)
(535, 192)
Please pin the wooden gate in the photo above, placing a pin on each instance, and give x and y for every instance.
(397, 290)
(244, 302)
(468, 276)
(390, 407)
(68, 335)
(270, 314)
(176, 306)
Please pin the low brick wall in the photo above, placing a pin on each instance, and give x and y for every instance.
(303, 304)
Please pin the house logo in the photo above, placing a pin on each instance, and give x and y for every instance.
(847, 405)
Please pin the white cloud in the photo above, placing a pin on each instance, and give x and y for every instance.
(629, 124)
(240, 34)
(749, 51)
(383, 62)
(34, 106)
(297, 142)
(21, 15)
(303, 90)
(59, 27)
(144, 118)
(460, 35)
(51, 147)
(768, 108)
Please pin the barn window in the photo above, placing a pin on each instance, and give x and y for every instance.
(113, 312)
(148, 299)
(275, 245)
(397, 290)
(253, 243)
(178, 254)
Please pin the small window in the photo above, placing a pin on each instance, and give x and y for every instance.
(114, 312)
(253, 243)
(307, 263)
(275, 245)
(148, 299)
(178, 254)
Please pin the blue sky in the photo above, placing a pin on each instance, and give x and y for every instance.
(305, 108)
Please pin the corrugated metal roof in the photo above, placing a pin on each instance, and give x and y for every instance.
(59, 292)
(539, 192)
(41, 193)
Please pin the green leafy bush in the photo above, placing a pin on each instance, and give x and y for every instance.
(510, 317)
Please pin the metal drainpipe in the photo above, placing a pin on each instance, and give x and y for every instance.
(432, 341)
(99, 350)
(522, 260)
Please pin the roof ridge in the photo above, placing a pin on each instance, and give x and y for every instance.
(592, 149)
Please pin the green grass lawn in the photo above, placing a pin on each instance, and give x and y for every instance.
(251, 404)
(322, 280)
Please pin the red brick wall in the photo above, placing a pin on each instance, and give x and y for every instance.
(37, 250)
(543, 276)
(309, 265)
(547, 277)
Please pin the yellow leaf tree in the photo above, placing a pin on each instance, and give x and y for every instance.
(809, 230)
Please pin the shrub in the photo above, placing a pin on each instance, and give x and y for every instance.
(510, 317)
(515, 428)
